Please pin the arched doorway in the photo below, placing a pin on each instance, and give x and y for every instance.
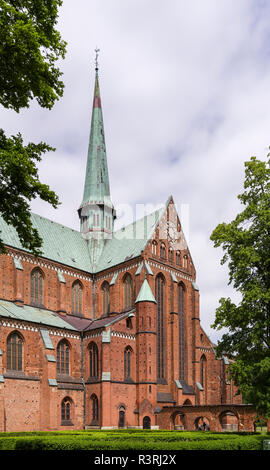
(229, 421)
(202, 424)
(146, 422)
(121, 420)
(179, 421)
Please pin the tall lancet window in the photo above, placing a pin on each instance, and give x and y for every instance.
(93, 358)
(14, 352)
(105, 298)
(181, 320)
(77, 298)
(128, 291)
(203, 370)
(63, 357)
(160, 291)
(36, 287)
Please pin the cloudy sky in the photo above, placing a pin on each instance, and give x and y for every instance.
(185, 96)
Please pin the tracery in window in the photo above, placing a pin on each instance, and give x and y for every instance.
(63, 356)
(37, 287)
(127, 362)
(66, 406)
(15, 352)
(128, 291)
(93, 359)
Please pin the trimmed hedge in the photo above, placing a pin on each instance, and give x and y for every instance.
(130, 440)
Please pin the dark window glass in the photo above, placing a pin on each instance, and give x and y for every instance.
(127, 363)
(66, 411)
(93, 356)
(77, 298)
(14, 352)
(203, 367)
(94, 409)
(181, 322)
(63, 358)
(160, 327)
(178, 258)
(162, 251)
(121, 423)
(36, 287)
(128, 295)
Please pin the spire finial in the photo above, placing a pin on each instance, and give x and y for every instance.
(96, 58)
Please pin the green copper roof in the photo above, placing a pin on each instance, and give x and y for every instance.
(145, 294)
(70, 248)
(96, 187)
(32, 314)
(128, 242)
(60, 243)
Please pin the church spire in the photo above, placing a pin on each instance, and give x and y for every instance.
(96, 211)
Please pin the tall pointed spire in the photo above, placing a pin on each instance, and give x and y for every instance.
(96, 185)
(96, 211)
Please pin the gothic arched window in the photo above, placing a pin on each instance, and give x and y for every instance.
(171, 254)
(77, 298)
(160, 291)
(14, 352)
(128, 291)
(127, 363)
(93, 358)
(105, 298)
(203, 370)
(178, 258)
(37, 287)
(122, 413)
(163, 251)
(181, 323)
(63, 353)
(94, 400)
(66, 406)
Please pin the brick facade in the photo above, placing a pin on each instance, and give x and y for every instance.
(105, 332)
(30, 399)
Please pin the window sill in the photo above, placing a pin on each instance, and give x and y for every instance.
(19, 375)
(67, 423)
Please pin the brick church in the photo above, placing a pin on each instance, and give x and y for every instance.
(103, 330)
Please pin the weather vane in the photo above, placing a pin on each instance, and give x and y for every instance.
(96, 59)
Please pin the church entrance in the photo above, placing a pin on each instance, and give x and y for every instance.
(146, 422)
(121, 421)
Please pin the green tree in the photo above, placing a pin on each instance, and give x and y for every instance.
(246, 245)
(30, 47)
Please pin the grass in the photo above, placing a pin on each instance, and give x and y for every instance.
(130, 440)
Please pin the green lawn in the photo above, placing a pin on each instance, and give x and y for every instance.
(130, 440)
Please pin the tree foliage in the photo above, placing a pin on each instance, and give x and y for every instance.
(19, 184)
(246, 245)
(30, 47)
